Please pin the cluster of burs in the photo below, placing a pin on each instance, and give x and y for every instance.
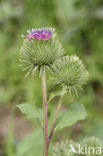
(41, 51)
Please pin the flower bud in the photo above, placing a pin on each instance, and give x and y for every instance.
(70, 73)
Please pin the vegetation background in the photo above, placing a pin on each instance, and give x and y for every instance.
(79, 27)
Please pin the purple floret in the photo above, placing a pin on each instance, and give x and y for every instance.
(40, 34)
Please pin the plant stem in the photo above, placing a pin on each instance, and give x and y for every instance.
(45, 131)
(56, 115)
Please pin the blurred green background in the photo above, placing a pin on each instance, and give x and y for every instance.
(79, 27)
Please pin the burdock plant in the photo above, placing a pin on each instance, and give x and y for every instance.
(41, 51)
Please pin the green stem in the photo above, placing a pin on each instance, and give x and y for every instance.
(56, 115)
(45, 128)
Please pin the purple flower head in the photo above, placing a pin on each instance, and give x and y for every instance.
(40, 34)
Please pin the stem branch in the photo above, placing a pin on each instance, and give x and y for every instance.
(56, 115)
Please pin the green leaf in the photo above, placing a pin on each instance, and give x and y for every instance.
(69, 117)
(54, 94)
(31, 145)
(31, 111)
